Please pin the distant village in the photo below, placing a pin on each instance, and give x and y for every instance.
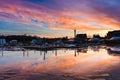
(112, 37)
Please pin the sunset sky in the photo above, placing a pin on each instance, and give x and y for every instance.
(58, 18)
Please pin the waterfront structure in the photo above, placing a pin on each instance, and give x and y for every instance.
(94, 40)
(74, 33)
(59, 43)
(81, 38)
(115, 33)
(13, 42)
(34, 41)
(3, 42)
(113, 37)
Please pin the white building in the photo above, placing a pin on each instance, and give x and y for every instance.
(115, 39)
(94, 40)
(13, 42)
(34, 41)
(3, 42)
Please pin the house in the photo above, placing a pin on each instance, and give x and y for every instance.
(34, 41)
(94, 40)
(45, 45)
(111, 34)
(58, 43)
(3, 42)
(80, 38)
(115, 39)
(13, 42)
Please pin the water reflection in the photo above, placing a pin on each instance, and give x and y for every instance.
(114, 51)
(55, 52)
(77, 51)
(95, 48)
(93, 62)
(1, 53)
(26, 53)
(44, 55)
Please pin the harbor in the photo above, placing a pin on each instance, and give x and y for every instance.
(59, 39)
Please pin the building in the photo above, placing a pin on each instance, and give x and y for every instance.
(80, 38)
(113, 37)
(94, 40)
(3, 42)
(13, 42)
(74, 33)
(59, 43)
(34, 41)
(115, 33)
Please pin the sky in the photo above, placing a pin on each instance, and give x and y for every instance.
(58, 18)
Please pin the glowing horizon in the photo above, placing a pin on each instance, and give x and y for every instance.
(52, 18)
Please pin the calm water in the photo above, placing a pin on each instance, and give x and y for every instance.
(91, 63)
